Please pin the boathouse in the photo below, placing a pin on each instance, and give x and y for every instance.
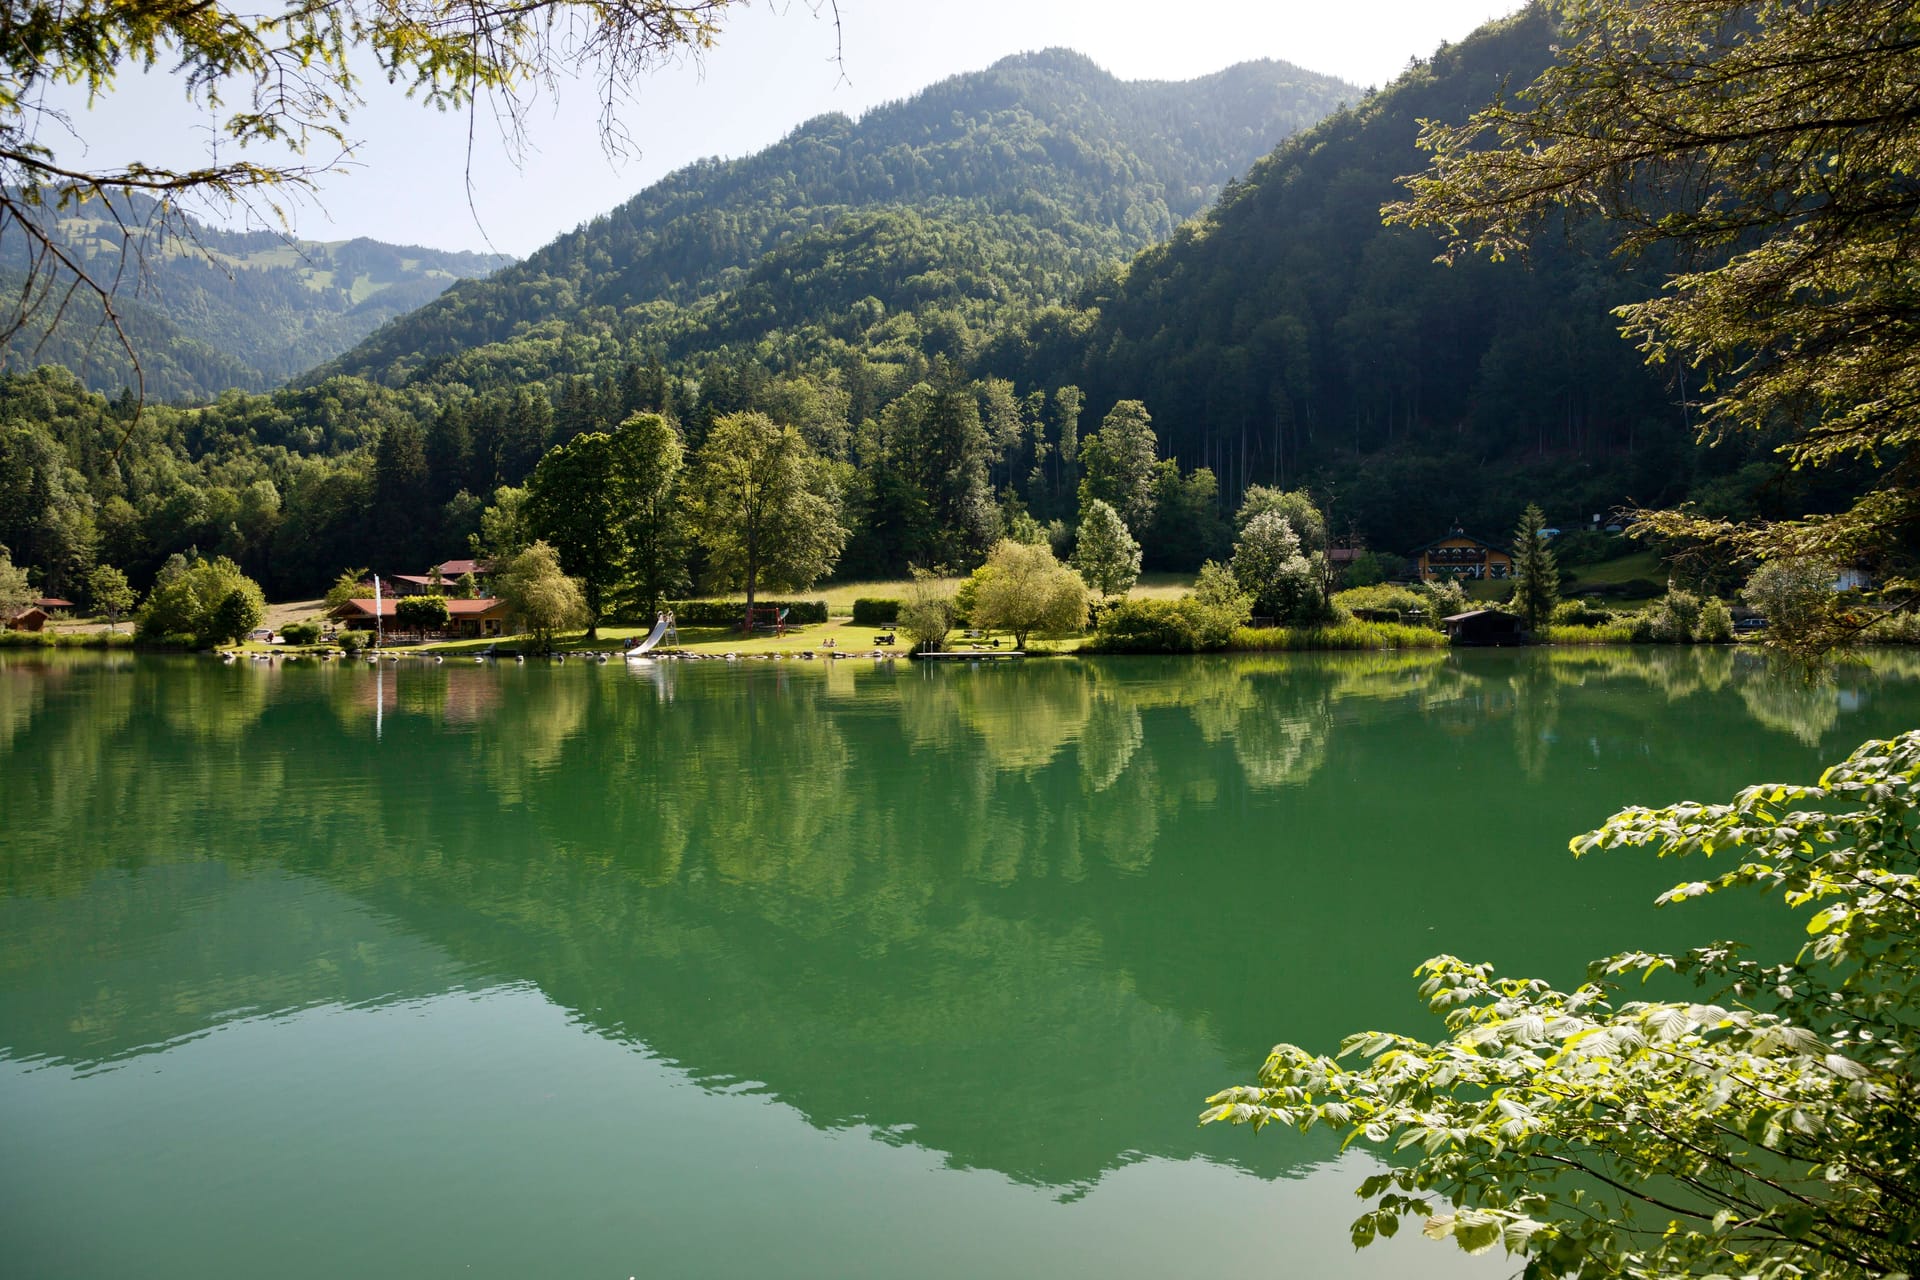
(1484, 628)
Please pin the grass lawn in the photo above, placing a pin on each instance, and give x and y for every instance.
(1641, 564)
(841, 595)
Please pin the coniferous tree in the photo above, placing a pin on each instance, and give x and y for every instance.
(1536, 586)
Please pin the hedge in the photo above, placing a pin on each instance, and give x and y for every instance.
(729, 613)
(870, 612)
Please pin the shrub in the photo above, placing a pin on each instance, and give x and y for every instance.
(1581, 613)
(301, 633)
(1716, 622)
(1348, 634)
(353, 641)
(870, 612)
(1619, 632)
(1145, 626)
(730, 613)
(1385, 602)
(422, 613)
(1445, 597)
(1023, 589)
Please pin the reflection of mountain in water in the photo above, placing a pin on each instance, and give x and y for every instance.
(1025, 915)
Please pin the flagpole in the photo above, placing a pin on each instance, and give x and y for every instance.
(378, 633)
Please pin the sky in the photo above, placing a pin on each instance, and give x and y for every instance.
(773, 68)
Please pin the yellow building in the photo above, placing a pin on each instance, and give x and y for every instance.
(1461, 555)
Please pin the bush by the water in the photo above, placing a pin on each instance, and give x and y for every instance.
(1581, 613)
(871, 612)
(64, 639)
(1146, 626)
(1351, 634)
(1386, 602)
(353, 641)
(729, 613)
(1618, 632)
(1683, 618)
(301, 633)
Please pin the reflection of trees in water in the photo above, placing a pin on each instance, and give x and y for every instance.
(886, 895)
(1537, 712)
(1791, 702)
(1677, 671)
(1112, 734)
(22, 694)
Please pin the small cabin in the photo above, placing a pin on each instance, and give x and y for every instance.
(32, 618)
(1484, 628)
(1461, 555)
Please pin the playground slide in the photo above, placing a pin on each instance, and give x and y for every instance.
(659, 629)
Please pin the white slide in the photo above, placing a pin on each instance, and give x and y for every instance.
(659, 629)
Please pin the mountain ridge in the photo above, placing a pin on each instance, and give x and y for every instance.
(1108, 165)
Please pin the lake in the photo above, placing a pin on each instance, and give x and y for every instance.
(814, 969)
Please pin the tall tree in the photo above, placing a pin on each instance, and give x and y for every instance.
(402, 501)
(763, 509)
(108, 590)
(15, 592)
(571, 506)
(1774, 147)
(648, 461)
(1536, 585)
(1269, 567)
(1105, 553)
(1119, 460)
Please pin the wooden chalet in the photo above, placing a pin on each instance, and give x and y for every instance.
(31, 618)
(466, 619)
(1461, 555)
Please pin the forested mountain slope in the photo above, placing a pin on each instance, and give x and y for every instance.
(1063, 168)
(209, 309)
(1288, 336)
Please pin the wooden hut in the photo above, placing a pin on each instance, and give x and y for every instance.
(1484, 627)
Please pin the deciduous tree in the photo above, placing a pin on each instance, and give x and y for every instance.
(1269, 567)
(540, 594)
(1766, 1128)
(108, 590)
(1119, 460)
(1105, 553)
(762, 505)
(1023, 589)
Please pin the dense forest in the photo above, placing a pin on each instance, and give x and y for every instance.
(938, 298)
(209, 309)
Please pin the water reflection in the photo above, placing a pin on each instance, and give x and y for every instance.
(1023, 916)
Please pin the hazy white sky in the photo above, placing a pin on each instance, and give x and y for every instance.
(772, 69)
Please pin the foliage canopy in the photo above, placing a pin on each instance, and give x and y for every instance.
(1773, 148)
(1767, 1129)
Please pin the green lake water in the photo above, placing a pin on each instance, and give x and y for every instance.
(810, 969)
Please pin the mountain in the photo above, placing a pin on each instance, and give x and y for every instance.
(1040, 170)
(210, 309)
(1288, 337)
